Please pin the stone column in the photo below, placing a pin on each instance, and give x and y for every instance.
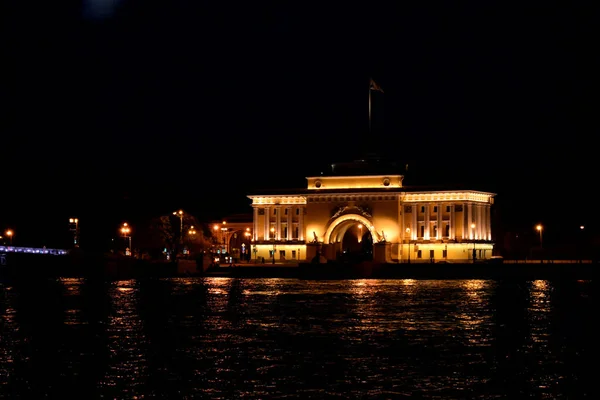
(267, 223)
(481, 222)
(255, 224)
(452, 222)
(290, 227)
(301, 224)
(469, 219)
(278, 223)
(426, 223)
(402, 232)
(440, 233)
(464, 221)
(415, 222)
(488, 233)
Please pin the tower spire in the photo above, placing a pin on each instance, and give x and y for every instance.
(373, 86)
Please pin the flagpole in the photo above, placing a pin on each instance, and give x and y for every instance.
(372, 86)
(369, 107)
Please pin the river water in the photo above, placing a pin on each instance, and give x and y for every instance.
(227, 338)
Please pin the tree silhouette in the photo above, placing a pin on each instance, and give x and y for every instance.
(170, 233)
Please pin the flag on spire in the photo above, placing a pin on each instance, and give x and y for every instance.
(374, 86)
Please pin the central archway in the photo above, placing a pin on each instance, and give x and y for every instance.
(338, 227)
(350, 237)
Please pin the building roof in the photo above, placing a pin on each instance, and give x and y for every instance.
(408, 189)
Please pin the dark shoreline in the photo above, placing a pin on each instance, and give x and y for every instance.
(100, 267)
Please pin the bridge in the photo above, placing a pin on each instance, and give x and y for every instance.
(32, 250)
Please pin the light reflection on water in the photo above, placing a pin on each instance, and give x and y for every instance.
(224, 338)
(126, 342)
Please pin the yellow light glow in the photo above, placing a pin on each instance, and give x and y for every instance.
(355, 182)
(216, 227)
(71, 220)
(539, 227)
(9, 233)
(348, 217)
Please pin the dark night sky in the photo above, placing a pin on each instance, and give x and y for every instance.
(138, 109)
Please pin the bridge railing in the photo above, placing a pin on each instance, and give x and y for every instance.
(32, 250)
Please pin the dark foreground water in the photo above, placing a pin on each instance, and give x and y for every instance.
(226, 338)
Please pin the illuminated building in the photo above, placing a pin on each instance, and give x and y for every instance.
(358, 203)
(232, 236)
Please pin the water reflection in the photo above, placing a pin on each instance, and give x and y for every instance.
(262, 338)
(126, 343)
(8, 339)
(474, 309)
(73, 306)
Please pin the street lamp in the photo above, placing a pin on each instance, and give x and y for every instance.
(274, 246)
(192, 233)
(473, 234)
(75, 230)
(247, 234)
(540, 228)
(581, 242)
(224, 238)
(180, 215)
(10, 234)
(408, 231)
(126, 230)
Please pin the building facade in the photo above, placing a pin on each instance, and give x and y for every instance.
(232, 237)
(334, 214)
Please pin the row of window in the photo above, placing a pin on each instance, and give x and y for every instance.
(434, 231)
(286, 211)
(296, 232)
(432, 254)
(408, 209)
(282, 254)
(445, 253)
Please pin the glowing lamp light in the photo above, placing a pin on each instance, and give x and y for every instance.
(125, 229)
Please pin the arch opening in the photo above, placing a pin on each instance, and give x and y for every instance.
(352, 236)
